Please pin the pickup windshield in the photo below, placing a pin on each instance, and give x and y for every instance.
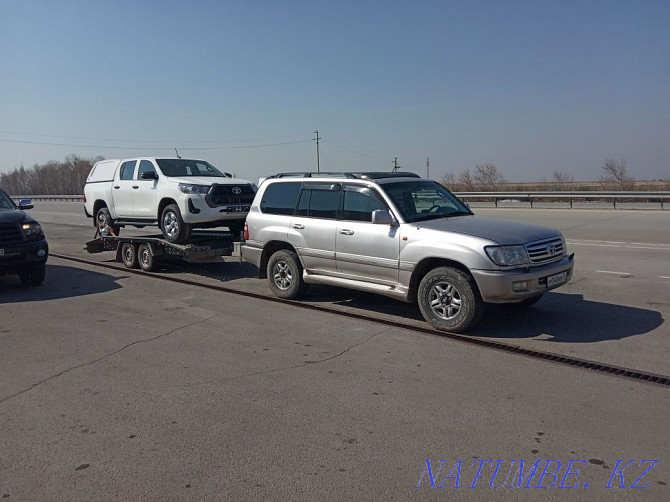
(184, 167)
(424, 200)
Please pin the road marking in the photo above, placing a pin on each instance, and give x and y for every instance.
(663, 277)
(617, 244)
(612, 272)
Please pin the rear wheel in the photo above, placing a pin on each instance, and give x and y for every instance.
(285, 275)
(172, 225)
(145, 258)
(33, 275)
(449, 300)
(129, 255)
(103, 218)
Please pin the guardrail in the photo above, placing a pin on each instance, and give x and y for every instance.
(531, 197)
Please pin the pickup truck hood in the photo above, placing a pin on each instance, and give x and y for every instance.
(501, 231)
(207, 180)
(14, 216)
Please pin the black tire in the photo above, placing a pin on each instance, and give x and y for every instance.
(103, 216)
(172, 225)
(33, 275)
(528, 302)
(145, 258)
(284, 272)
(449, 300)
(129, 255)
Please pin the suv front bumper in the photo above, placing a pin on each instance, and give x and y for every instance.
(15, 256)
(509, 286)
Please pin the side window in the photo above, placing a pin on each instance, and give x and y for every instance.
(359, 202)
(145, 167)
(323, 203)
(280, 198)
(127, 170)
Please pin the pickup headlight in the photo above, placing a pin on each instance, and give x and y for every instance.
(32, 231)
(506, 256)
(196, 189)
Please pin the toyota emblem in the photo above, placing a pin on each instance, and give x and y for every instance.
(551, 249)
(237, 190)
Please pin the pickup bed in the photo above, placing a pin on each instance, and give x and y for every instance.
(175, 194)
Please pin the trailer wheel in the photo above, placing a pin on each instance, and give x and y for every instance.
(129, 255)
(145, 259)
(172, 225)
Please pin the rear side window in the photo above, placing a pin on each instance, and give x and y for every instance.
(127, 170)
(280, 198)
(319, 203)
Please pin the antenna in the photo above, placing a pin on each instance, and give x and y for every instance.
(178, 156)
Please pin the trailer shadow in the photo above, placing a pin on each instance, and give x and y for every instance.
(60, 282)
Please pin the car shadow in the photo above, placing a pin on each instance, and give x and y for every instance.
(60, 282)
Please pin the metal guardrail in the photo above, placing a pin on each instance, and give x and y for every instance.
(531, 197)
(662, 197)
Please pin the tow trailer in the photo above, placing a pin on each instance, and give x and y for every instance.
(146, 252)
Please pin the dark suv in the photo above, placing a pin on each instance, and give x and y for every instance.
(23, 247)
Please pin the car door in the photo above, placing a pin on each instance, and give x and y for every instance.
(122, 189)
(312, 229)
(144, 192)
(364, 250)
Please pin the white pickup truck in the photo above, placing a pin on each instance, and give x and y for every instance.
(175, 194)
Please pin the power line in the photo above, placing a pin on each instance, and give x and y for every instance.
(154, 148)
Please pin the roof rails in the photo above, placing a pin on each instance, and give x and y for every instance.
(370, 176)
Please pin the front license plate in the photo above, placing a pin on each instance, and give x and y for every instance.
(238, 209)
(2, 252)
(555, 280)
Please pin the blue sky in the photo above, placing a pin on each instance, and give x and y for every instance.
(530, 86)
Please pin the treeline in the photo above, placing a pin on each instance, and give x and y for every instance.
(53, 178)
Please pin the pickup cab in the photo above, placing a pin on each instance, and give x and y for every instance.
(174, 193)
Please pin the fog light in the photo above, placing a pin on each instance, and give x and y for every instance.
(520, 286)
(41, 252)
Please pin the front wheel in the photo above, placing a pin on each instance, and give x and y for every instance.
(172, 225)
(33, 275)
(449, 300)
(285, 275)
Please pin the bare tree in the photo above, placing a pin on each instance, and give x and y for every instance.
(449, 181)
(488, 177)
(562, 180)
(466, 181)
(615, 173)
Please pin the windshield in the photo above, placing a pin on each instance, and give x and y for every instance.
(424, 200)
(185, 167)
(6, 201)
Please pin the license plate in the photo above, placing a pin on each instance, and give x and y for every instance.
(2, 252)
(555, 280)
(238, 209)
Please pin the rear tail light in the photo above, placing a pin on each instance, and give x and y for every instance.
(246, 231)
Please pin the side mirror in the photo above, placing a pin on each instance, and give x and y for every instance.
(382, 217)
(149, 175)
(25, 204)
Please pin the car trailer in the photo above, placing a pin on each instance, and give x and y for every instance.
(146, 252)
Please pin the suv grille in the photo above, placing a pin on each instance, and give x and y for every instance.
(221, 195)
(546, 250)
(10, 232)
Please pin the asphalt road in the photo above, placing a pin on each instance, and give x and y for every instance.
(121, 386)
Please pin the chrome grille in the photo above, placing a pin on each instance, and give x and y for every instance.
(230, 194)
(545, 251)
(10, 232)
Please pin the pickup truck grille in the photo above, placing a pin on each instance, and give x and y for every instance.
(545, 251)
(10, 232)
(221, 195)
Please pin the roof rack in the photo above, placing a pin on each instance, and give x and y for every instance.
(370, 175)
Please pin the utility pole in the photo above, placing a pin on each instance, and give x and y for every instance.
(395, 164)
(318, 167)
(428, 167)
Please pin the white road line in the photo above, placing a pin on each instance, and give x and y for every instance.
(591, 244)
(612, 272)
(663, 277)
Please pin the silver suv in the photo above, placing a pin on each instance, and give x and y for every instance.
(402, 236)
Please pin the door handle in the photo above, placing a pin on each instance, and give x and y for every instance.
(135, 187)
(347, 232)
(117, 187)
(299, 226)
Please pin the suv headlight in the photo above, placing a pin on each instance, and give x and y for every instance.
(506, 256)
(32, 231)
(196, 189)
